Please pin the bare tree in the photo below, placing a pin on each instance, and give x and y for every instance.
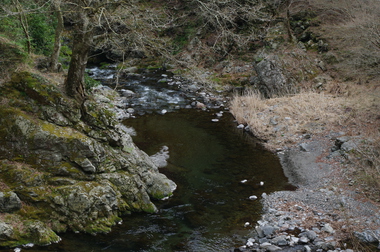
(117, 24)
(58, 34)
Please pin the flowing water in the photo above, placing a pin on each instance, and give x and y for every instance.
(208, 159)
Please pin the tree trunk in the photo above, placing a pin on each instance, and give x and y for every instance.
(57, 40)
(83, 37)
(24, 24)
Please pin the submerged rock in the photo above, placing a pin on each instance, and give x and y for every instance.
(73, 168)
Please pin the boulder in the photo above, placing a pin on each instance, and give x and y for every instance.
(9, 202)
(270, 80)
(74, 167)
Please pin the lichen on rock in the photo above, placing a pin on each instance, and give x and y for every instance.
(67, 166)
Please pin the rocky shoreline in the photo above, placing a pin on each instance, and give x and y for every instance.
(324, 211)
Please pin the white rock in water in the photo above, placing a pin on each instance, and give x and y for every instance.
(261, 183)
(164, 111)
(219, 114)
(253, 197)
(17, 250)
(29, 245)
(215, 120)
(159, 159)
(246, 224)
(240, 126)
(243, 181)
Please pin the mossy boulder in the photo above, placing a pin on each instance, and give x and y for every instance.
(67, 166)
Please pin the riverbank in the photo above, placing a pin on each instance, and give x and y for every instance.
(333, 207)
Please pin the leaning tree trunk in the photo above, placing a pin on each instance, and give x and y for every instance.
(57, 40)
(82, 41)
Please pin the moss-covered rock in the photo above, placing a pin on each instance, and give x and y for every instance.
(69, 168)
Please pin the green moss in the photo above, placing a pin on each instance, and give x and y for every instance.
(102, 225)
(62, 132)
(36, 87)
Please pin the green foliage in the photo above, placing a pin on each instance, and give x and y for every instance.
(183, 37)
(41, 28)
(90, 82)
(65, 56)
(11, 55)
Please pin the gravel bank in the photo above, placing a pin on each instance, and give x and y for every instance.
(324, 211)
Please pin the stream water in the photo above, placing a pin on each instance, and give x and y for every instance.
(208, 159)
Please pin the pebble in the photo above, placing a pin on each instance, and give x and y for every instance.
(253, 197)
(240, 126)
(243, 181)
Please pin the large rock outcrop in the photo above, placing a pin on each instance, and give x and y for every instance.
(270, 79)
(63, 166)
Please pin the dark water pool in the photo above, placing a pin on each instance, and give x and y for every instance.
(208, 160)
(210, 206)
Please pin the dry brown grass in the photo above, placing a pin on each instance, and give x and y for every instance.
(350, 27)
(285, 118)
(352, 109)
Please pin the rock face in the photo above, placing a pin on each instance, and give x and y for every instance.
(74, 167)
(270, 79)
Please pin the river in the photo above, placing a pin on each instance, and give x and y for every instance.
(209, 158)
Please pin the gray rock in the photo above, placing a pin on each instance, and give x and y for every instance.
(6, 231)
(9, 202)
(280, 240)
(304, 240)
(268, 230)
(311, 235)
(270, 78)
(269, 247)
(259, 231)
(42, 234)
(349, 145)
(130, 70)
(86, 165)
(328, 229)
(159, 159)
(341, 140)
(304, 147)
(368, 236)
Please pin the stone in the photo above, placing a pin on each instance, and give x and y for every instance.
(9, 202)
(304, 240)
(368, 236)
(311, 235)
(6, 231)
(328, 229)
(268, 230)
(83, 171)
(42, 234)
(280, 240)
(130, 70)
(349, 145)
(270, 78)
(250, 242)
(127, 93)
(160, 158)
(269, 247)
